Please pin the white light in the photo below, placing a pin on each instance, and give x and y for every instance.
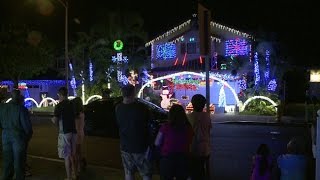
(191, 73)
(8, 100)
(258, 97)
(109, 85)
(83, 93)
(47, 98)
(92, 97)
(71, 97)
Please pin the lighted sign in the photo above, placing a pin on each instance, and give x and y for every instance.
(166, 51)
(314, 75)
(118, 45)
(236, 47)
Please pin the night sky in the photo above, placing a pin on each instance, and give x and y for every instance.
(292, 23)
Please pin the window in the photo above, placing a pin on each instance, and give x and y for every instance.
(192, 48)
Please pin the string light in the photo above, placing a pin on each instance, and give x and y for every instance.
(222, 97)
(256, 69)
(242, 84)
(166, 51)
(37, 82)
(272, 85)
(187, 24)
(90, 71)
(236, 47)
(267, 73)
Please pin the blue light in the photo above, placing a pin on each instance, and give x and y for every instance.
(242, 84)
(267, 72)
(236, 47)
(256, 69)
(191, 39)
(272, 86)
(166, 51)
(37, 82)
(90, 71)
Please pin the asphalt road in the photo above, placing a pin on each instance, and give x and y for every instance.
(233, 144)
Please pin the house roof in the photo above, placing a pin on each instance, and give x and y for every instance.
(174, 32)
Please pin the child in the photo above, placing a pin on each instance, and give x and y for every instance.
(201, 124)
(262, 164)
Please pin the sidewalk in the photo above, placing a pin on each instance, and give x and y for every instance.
(53, 169)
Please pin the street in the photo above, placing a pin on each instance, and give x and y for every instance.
(233, 145)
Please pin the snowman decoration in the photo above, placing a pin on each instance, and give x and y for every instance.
(166, 96)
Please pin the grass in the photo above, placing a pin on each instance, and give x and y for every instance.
(44, 109)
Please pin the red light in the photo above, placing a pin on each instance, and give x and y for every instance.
(184, 59)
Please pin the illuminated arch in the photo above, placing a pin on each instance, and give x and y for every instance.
(258, 97)
(92, 97)
(71, 97)
(48, 98)
(192, 73)
(31, 99)
(8, 100)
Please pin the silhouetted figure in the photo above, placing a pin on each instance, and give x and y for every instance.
(201, 124)
(79, 122)
(262, 164)
(293, 165)
(64, 117)
(132, 118)
(16, 132)
(174, 139)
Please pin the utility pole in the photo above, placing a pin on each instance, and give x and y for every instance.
(204, 18)
(65, 4)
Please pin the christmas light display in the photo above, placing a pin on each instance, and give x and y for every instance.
(90, 71)
(73, 82)
(272, 85)
(256, 69)
(119, 60)
(170, 32)
(166, 51)
(258, 97)
(187, 24)
(267, 72)
(242, 84)
(222, 97)
(236, 47)
(38, 82)
(118, 45)
(179, 74)
(222, 27)
(223, 66)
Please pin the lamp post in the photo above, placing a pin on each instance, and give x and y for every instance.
(66, 57)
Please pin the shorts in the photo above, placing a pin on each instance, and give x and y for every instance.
(66, 144)
(136, 161)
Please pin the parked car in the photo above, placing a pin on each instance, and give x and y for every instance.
(102, 143)
(100, 118)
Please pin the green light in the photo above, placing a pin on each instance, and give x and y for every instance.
(118, 45)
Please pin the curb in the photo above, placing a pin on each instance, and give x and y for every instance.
(62, 161)
(263, 123)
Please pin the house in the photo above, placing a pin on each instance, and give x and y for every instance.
(178, 50)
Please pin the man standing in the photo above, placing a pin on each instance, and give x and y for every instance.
(16, 132)
(132, 119)
(65, 118)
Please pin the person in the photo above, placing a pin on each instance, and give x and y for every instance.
(27, 167)
(293, 165)
(106, 93)
(174, 139)
(79, 122)
(201, 124)
(16, 132)
(65, 119)
(132, 119)
(262, 164)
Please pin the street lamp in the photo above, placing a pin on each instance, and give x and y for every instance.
(66, 57)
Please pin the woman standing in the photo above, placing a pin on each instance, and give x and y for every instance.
(174, 139)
